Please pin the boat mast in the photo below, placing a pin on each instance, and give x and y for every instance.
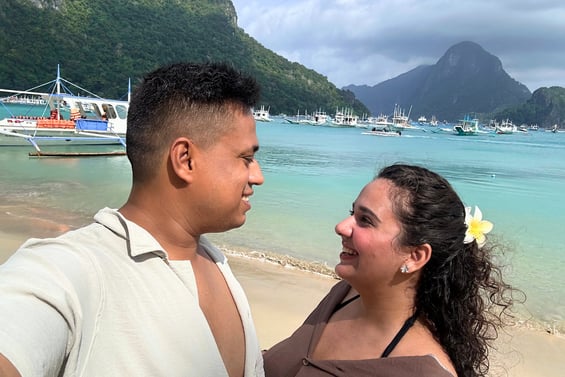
(58, 81)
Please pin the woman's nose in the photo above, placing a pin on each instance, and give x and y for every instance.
(344, 227)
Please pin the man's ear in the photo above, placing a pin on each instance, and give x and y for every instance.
(180, 156)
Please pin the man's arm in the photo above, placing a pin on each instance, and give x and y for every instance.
(7, 369)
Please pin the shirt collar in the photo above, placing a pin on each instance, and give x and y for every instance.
(140, 241)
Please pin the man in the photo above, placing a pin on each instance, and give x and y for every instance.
(140, 292)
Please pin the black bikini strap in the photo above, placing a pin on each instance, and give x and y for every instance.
(409, 323)
(405, 327)
(342, 304)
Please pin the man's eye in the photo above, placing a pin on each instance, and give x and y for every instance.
(364, 220)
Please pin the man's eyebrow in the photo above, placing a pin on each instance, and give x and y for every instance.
(252, 150)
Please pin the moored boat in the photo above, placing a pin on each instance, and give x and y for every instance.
(423, 121)
(344, 118)
(382, 132)
(319, 118)
(506, 127)
(63, 118)
(401, 121)
(380, 121)
(262, 114)
(467, 126)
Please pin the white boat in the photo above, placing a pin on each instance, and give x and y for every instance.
(523, 128)
(262, 115)
(344, 118)
(90, 120)
(319, 118)
(467, 126)
(423, 121)
(23, 100)
(297, 119)
(400, 121)
(382, 132)
(506, 127)
(380, 121)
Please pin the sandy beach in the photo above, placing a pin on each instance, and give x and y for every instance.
(281, 298)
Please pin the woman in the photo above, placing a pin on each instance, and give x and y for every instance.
(419, 294)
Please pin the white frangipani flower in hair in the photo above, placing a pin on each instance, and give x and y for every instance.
(476, 226)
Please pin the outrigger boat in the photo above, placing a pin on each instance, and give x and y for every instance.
(467, 126)
(91, 120)
(262, 115)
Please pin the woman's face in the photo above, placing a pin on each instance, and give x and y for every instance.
(371, 255)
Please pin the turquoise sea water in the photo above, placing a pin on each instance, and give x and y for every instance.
(312, 175)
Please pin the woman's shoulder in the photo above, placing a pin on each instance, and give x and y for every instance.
(401, 366)
(424, 366)
(422, 345)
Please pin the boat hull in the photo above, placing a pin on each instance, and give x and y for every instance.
(55, 137)
(56, 141)
(462, 132)
(383, 133)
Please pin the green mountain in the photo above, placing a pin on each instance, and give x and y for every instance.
(466, 79)
(100, 44)
(545, 108)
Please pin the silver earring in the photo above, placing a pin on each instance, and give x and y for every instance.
(404, 269)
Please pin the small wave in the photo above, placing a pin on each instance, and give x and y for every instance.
(286, 261)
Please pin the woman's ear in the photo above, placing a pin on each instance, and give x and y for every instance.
(419, 256)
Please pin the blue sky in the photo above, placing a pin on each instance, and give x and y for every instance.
(369, 41)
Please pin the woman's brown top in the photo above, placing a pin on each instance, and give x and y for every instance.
(292, 357)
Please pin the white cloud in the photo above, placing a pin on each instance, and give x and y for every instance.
(368, 41)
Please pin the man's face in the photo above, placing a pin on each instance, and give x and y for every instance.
(225, 174)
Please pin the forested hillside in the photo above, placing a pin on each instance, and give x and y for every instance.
(545, 108)
(99, 44)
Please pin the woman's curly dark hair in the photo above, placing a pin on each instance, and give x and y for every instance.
(461, 294)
